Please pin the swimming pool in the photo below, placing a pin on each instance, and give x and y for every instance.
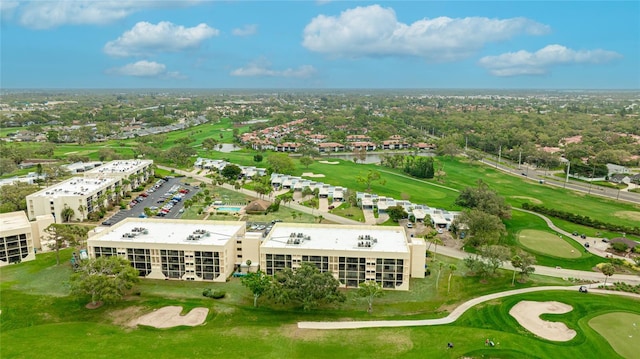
(228, 209)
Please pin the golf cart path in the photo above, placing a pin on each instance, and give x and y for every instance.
(453, 316)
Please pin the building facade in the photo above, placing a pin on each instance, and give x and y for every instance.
(82, 195)
(86, 194)
(131, 173)
(17, 238)
(174, 249)
(213, 250)
(353, 254)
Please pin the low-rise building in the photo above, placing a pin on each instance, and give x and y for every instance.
(136, 172)
(20, 238)
(82, 195)
(353, 254)
(177, 249)
(212, 250)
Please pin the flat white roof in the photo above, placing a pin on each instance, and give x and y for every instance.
(171, 232)
(337, 237)
(14, 220)
(75, 186)
(120, 166)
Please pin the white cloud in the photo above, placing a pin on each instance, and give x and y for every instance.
(50, 13)
(539, 62)
(246, 30)
(144, 68)
(261, 68)
(146, 38)
(375, 31)
(7, 8)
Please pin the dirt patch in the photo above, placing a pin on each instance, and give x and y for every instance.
(311, 174)
(329, 162)
(527, 313)
(400, 340)
(95, 305)
(292, 331)
(633, 215)
(530, 199)
(169, 317)
(126, 316)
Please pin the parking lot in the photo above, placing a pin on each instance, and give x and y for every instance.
(155, 199)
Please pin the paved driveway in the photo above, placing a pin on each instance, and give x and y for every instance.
(154, 200)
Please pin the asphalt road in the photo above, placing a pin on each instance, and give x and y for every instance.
(536, 175)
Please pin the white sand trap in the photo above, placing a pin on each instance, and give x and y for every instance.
(329, 162)
(528, 313)
(168, 317)
(311, 174)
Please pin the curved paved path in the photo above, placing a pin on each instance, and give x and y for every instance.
(452, 317)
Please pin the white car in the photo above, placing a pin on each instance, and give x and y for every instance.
(440, 230)
(409, 225)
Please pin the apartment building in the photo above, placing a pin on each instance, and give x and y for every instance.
(212, 250)
(133, 172)
(352, 254)
(178, 249)
(85, 194)
(80, 194)
(20, 238)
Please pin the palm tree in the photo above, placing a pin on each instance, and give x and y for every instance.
(608, 270)
(440, 265)
(452, 268)
(82, 209)
(67, 213)
(436, 241)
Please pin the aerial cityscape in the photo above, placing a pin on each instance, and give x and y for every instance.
(265, 179)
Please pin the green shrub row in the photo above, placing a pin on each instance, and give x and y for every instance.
(622, 287)
(583, 220)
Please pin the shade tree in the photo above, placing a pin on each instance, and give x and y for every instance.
(305, 286)
(103, 279)
(258, 283)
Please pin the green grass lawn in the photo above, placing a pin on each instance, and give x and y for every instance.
(34, 324)
(621, 330)
(522, 221)
(547, 243)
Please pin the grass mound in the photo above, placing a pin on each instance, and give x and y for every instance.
(621, 330)
(547, 243)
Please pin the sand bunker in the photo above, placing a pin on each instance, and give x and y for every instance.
(311, 174)
(528, 313)
(169, 317)
(329, 162)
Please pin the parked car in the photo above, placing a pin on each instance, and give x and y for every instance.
(586, 244)
(605, 240)
(409, 225)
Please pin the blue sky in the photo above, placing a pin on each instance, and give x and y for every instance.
(320, 44)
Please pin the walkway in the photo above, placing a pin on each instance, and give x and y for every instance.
(452, 317)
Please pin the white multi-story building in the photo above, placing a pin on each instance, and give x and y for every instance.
(136, 172)
(212, 250)
(82, 195)
(85, 194)
(178, 249)
(20, 238)
(353, 254)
